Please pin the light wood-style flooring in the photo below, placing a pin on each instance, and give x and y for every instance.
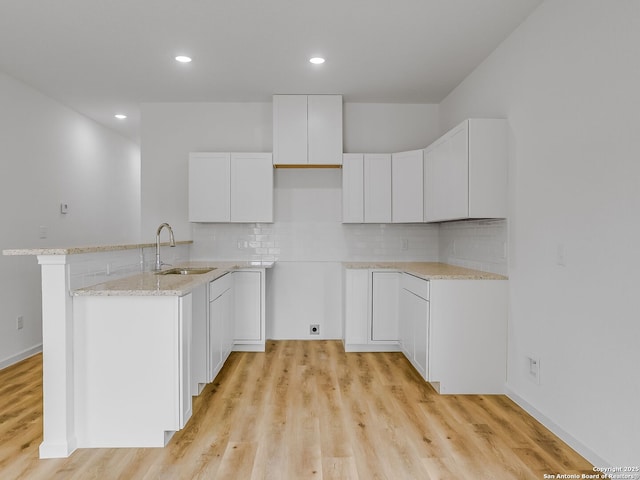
(304, 410)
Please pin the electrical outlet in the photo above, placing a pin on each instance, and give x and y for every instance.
(405, 245)
(533, 364)
(314, 329)
(19, 322)
(42, 231)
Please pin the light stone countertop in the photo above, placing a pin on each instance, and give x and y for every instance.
(428, 270)
(90, 249)
(152, 284)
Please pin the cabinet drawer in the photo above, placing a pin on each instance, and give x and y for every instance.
(415, 285)
(219, 286)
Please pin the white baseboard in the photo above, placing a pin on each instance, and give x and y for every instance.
(18, 357)
(595, 459)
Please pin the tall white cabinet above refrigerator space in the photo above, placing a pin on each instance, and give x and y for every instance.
(307, 130)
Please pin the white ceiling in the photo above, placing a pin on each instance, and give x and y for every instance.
(106, 56)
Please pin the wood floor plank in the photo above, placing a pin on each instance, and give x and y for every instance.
(303, 410)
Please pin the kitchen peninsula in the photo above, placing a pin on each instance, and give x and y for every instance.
(119, 355)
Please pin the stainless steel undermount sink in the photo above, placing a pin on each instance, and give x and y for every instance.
(186, 271)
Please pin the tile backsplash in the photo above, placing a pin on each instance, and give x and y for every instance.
(315, 241)
(477, 244)
(94, 268)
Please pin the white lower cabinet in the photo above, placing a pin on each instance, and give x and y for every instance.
(220, 323)
(132, 369)
(236, 316)
(249, 326)
(468, 336)
(384, 306)
(414, 322)
(199, 345)
(454, 332)
(370, 310)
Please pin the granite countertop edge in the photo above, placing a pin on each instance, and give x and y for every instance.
(428, 270)
(153, 284)
(87, 249)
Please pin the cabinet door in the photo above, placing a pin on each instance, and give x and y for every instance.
(251, 187)
(420, 309)
(405, 322)
(407, 187)
(356, 312)
(447, 176)
(488, 158)
(415, 327)
(384, 306)
(456, 173)
(289, 129)
(216, 335)
(324, 129)
(228, 329)
(209, 190)
(352, 188)
(199, 344)
(247, 306)
(429, 196)
(185, 307)
(377, 188)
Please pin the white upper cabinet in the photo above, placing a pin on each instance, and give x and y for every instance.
(465, 172)
(251, 187)
(324, 129)
(377, 188)
(353, 188)
(307, 129)
(289, 129)
(406, 187)
(230, 187)
(209, 187)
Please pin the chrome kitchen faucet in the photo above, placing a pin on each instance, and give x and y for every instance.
(172, 243)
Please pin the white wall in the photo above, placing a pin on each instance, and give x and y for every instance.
(169, 131)
(50, 154)
(307, 237)
(567, 79)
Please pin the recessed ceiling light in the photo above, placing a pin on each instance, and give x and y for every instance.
(183, 59)
(120, 116)
(316, 60)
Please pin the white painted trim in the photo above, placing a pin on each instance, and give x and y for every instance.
(18, 357)
(58, 450)
(565, 436)
(248, 347)
(372, 347)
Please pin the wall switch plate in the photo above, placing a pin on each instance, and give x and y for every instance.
(19, 322)
(405, 245)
